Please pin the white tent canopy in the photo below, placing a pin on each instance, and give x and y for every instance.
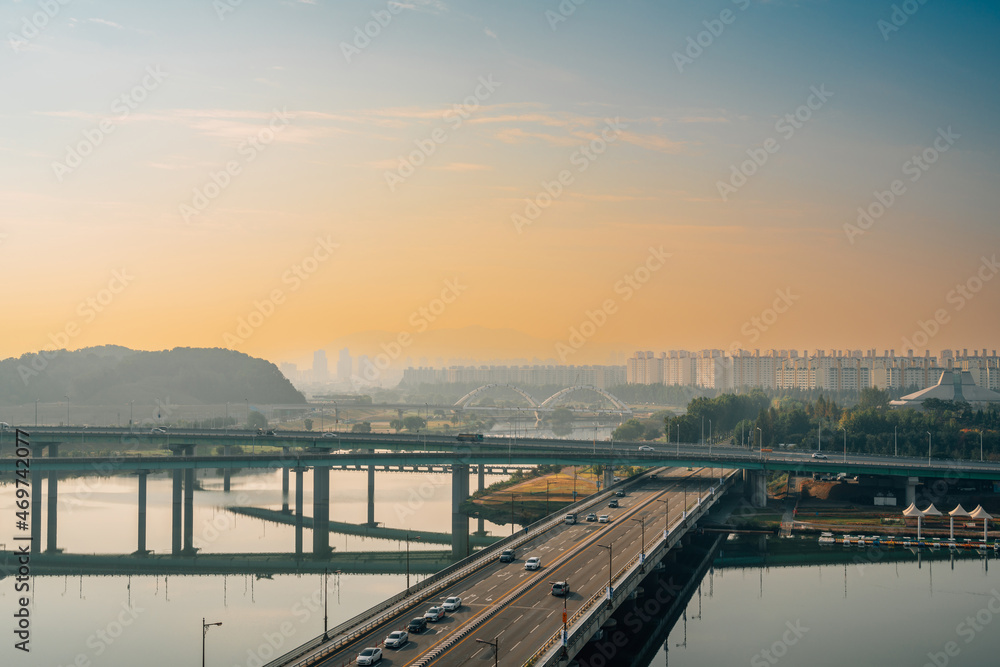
(912, 511)
(932, 511)
(959, 511)
(980, 513)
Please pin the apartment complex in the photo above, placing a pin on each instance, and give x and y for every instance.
(832, 370)
(603, 377)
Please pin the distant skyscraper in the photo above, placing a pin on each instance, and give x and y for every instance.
(345, 365)
(290, 371)
(319, 369)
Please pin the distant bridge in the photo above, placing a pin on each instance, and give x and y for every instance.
(549, 403)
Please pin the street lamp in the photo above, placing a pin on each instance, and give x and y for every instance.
(408, 539)
(547, 483)
(130, 414)
(36, 413)
(761, 440)
(666, 515)
(895, 442)
(928, 447)
(642, 545)
(611, 571)
(709, 436)
(204, 631)
(980, 446)
(248, 411)
(565, 636)
(67, 410)
(844, 429)
(496, 648)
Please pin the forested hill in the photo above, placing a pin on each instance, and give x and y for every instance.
(116, 375)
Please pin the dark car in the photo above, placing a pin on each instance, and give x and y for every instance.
(620, 493)
(613, 503)
(417, 625)
(507, 556)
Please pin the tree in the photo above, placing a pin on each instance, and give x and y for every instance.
(363, 427)
(630, 430)
(413, 422)
(561, 420)
(309, 424)
(257, 420)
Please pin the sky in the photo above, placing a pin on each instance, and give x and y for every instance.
(513, 179)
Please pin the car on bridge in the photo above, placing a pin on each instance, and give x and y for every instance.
(646, 448)
(452, 604)
(613, 504)
(817, 455)
(397, 639)
(507, 556)
(417, 625)
(591, 517)
(329, 434)
(369, 656)
(434, 614)
(604, 518)
(533, 563)
(560, 588)
(158, 431)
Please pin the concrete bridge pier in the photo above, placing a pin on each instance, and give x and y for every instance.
(298, 470)
(226, 475)
(481, 523)
(755, 485)
(189, 505)
(911, 490)
(175, 527)
(459, 521)
(321, 511)
(141, 549)
(371, 496)
(52, 506)
(36, 511)
(609, 476)
(284, 483)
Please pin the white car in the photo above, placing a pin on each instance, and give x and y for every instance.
(434, 614)
(158, 431)
(329, 434)
(452, 604)
(397, 639)
(369, 656)
(533, 563)
(646, 448)
(604, 518)
(817, 455)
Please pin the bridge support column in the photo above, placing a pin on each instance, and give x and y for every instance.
(481, 523)
(911, 490)
(371, 495)
(36, 514)
(756, 487)
(189, 505)
(459, 521)
(609, 476)
(175, 529)
(226, 475)
(321, 511)
(141, 549)
(284, 483)
(298, 470)
(52, 506)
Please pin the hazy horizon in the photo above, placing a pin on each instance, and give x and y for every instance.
(295, 176)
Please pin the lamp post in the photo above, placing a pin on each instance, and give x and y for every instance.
(225, 426)
(980, 446)
(895, 442)
(666, 516)
(67, 410)
(36, 413)
(709, 436)
(326, 597)
(130, 414)
(565, 635)
(408, 539)
(611, 570)
(496, 648)
(760, 440)
(204, 631)
(248, 411)
(844, 429)
(547, 483)
(642, 544)
(678, 438)
(928, 447)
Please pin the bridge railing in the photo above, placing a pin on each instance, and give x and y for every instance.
(350, 630)
(622, 579)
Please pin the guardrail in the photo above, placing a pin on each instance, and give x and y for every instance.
(631, 573)
(350, 630)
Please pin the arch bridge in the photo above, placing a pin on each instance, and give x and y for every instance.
(549, 403)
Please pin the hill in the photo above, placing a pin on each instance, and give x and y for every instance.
(112, 374)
